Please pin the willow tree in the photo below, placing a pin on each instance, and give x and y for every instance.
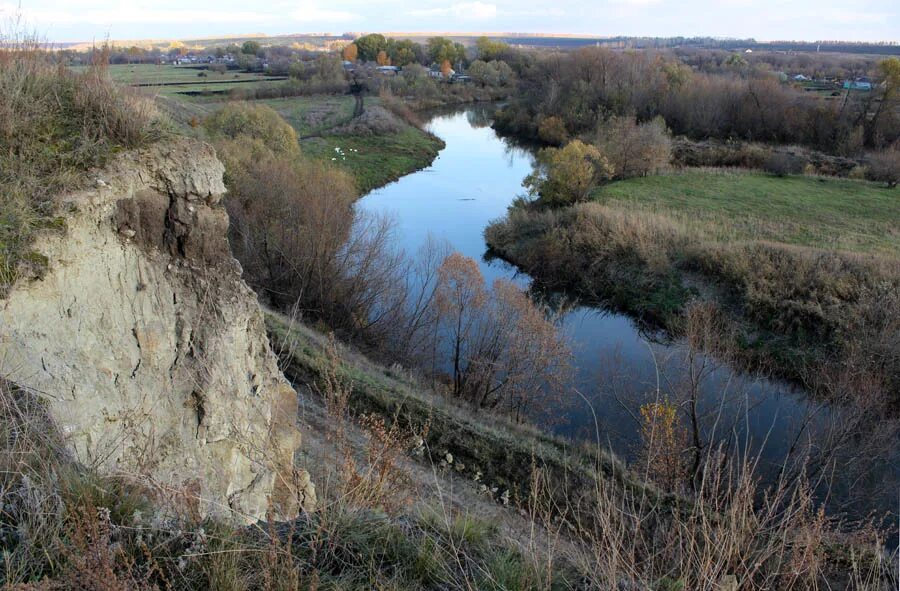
(567, 175)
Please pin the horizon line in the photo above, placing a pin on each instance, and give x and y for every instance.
(262, 35)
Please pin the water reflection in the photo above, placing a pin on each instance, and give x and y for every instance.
(619, 364)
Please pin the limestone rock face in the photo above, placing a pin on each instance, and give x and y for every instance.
(150, 349)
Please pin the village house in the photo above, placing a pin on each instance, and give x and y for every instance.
(858, 84)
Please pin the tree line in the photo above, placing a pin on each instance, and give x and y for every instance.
(585, 87)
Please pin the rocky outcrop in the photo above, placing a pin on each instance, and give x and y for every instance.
(150, 349)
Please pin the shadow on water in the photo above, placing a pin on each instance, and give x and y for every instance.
(620, 364)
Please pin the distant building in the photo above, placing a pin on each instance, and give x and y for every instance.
(388, 69)
(435, 73)
(858, 84)
(801, 78)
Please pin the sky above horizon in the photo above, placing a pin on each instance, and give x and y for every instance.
(86, 20)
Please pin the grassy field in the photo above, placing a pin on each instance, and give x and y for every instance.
(168, 74)
(737, 206)
(208, 90)
(805, 270)
(315, 114)
(375, 160)
(169, 80)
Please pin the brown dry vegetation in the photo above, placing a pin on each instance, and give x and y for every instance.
(54, 126)
(799, 309)
(586, 86)
(385, 523)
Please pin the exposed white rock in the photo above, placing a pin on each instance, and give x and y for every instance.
(150, 348)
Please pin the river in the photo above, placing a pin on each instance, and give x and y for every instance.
(618, 366)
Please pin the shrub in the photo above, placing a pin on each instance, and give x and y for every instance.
(859, 173)
(289, 219)
(506, 354)
(782, 164)
(246, 120)
(553, 131)
(884, 167)
(635, 149)
(566, 175)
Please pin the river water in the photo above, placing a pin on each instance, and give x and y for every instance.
(618, 366)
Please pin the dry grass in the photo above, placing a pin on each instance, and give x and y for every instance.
(728, 205)
(800, 308)
(730, 530)
(66, 528)
(54, 126)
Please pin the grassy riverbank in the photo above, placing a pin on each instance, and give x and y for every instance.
(377, 159)
(806, 269)
(376, 147)
(730, 206)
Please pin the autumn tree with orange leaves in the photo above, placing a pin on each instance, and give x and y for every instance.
(383, 59)
(351, 52)
(504, 350)
(446, 69)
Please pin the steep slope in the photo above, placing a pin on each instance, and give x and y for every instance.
(150, 349)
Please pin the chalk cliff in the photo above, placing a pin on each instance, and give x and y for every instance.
(149, 348)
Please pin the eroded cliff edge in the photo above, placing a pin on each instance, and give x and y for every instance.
(148, 347)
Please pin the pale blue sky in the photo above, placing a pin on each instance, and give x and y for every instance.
(68, 20)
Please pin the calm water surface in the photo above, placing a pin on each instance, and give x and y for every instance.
(471, 183)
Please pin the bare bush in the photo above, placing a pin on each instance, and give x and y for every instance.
(374, 121)
(884, 167)
(781, 164)
(503, 350)
(290, 219)
(634, 149)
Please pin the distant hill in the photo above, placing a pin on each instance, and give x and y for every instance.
(561, 41)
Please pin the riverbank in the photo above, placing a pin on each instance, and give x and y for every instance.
(376, 160)
(583, 511)
(376, 146)
(753, 246)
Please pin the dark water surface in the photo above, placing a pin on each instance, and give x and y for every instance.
(471, 183)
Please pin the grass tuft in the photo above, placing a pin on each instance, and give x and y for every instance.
(55, 125)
